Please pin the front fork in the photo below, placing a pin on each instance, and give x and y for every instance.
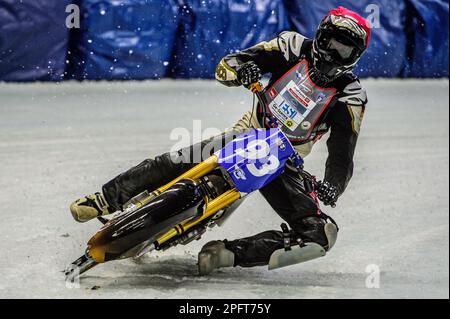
(211, 206)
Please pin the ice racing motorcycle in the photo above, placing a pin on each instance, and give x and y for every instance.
(204, 196)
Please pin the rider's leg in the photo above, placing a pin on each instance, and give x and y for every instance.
(148, 175)
(152, 173)
(299, 210)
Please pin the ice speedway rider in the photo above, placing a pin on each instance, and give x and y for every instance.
(340, 40)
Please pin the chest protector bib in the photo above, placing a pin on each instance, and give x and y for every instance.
(294, 103)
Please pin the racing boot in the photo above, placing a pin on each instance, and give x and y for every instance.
(214, 255)
(89, 207)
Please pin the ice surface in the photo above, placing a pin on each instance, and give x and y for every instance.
(59, 142)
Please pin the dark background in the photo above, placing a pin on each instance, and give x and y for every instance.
(153, 39)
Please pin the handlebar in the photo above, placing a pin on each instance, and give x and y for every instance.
(256, 87)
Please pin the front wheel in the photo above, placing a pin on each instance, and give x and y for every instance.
(126, 235)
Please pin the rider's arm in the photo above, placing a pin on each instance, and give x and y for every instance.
(269, 56)
(345, 121)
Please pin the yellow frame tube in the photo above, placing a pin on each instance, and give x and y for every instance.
(194, 173)
(213, 207)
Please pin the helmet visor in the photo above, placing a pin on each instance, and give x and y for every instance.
(339, 50)
(345, 51)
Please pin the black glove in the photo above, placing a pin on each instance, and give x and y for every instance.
(327, 193)
(249, 73)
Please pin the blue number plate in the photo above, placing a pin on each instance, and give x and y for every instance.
(255, 158)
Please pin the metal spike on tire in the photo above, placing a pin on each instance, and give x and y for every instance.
(78, 267)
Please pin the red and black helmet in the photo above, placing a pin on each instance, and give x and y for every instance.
(340, 41)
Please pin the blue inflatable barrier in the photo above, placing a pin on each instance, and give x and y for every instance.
(210, 29)
(429, 38)
(33, 40)
(151, 39)
(386, 55)
(127, 39)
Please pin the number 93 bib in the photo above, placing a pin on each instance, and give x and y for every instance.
(296, 103)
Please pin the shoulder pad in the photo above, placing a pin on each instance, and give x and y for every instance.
(354, 94)
(290, 44)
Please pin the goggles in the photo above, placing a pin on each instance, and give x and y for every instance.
(337, 49)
